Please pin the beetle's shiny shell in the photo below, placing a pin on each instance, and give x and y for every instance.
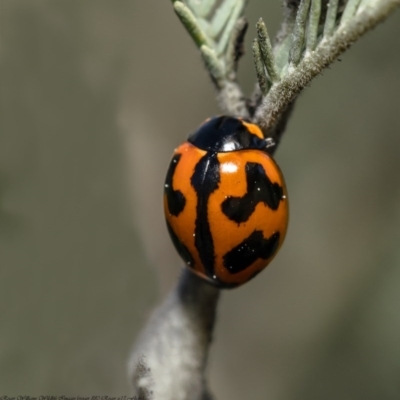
(226, 212)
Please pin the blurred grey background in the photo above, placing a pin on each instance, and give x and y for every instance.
(95, 95)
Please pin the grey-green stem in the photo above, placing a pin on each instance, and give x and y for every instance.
(328, 50)
(171, 353)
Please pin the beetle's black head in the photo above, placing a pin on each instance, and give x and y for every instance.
(224, 134)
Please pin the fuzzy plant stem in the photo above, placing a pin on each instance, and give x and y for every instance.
(219, 38)
(170, 355)
(281, 95)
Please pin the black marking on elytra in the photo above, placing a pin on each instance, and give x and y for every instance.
(205, 180)
(259, 189)
(252, 248)
(180, 247)
(176, 200)
(225, 134)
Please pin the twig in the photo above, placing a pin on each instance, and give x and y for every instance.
(171, 354)
(219, 36)
(280, 95)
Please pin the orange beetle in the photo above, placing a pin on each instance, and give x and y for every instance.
(225, 201)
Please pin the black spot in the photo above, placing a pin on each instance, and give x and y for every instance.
(176, 200)
(252, 248)
(205, 180)
(259, 189)
(180, 247)
(224, 134)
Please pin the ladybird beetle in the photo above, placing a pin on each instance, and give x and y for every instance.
(225, 201)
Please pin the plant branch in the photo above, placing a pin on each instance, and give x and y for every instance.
(219, 37)
(280, 95)
(170, 356)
